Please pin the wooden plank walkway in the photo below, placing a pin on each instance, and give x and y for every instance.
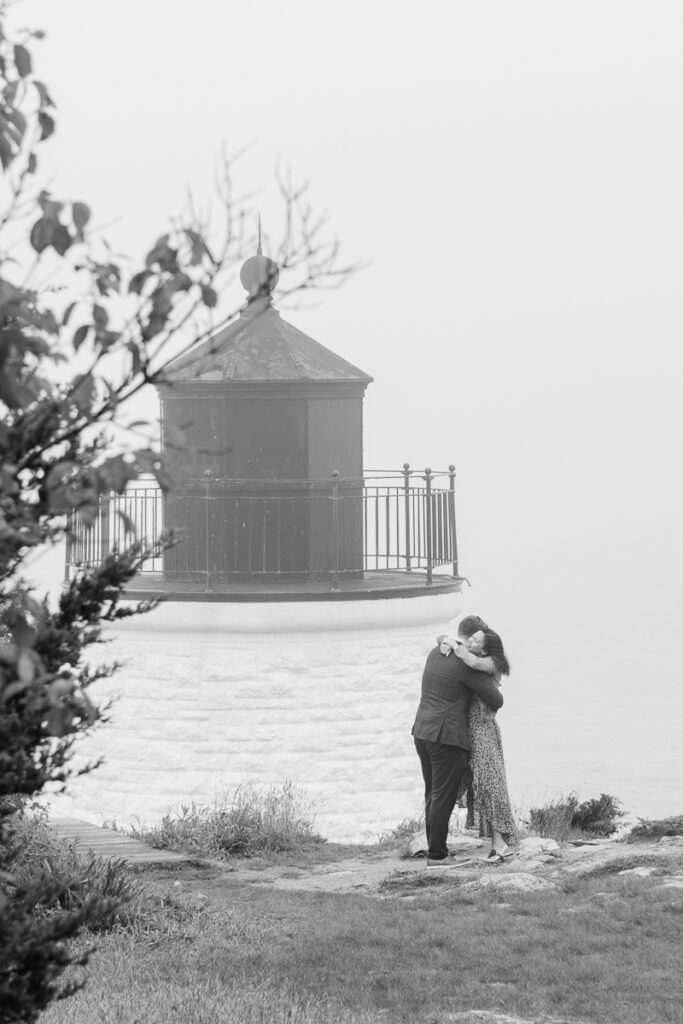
(104, 842)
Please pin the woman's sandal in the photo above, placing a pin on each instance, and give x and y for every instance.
(500, 858)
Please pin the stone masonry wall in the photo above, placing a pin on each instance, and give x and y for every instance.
(214, 696)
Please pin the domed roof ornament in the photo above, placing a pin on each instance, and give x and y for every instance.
(260, 348)
(259, 276)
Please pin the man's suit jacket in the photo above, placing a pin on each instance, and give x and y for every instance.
(448, 685)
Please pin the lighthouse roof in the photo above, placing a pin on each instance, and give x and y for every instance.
(261, 346)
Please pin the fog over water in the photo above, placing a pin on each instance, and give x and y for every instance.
(594, 717)
(511, 172)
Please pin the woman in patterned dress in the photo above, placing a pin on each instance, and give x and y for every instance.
(484, 652)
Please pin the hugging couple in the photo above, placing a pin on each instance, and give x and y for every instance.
(458, 740)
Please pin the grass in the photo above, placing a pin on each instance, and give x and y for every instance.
(206, 944)
(251, 954)
(251, 822)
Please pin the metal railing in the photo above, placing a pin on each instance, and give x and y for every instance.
(386, 521)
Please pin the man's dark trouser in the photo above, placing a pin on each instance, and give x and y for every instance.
(442, 769)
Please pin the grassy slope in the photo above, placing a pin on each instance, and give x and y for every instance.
(251, 954)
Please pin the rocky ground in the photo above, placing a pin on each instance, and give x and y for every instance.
(381, 872)
(539, 864)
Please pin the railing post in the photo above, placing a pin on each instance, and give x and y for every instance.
(103, 514)
(208, 480)
(70, 524)
(335, 527)
(451, 509)
(406, 482)
(428, 517)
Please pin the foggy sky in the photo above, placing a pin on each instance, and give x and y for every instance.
(512, 173)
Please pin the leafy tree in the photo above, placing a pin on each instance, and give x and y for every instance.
(72, 356)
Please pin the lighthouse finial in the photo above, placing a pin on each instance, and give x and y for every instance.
(259, 274)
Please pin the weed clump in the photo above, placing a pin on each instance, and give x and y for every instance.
(405, 830)
(254, 821)
(565, 816)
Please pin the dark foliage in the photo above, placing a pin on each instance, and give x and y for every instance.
(598, 817)
(52, 893)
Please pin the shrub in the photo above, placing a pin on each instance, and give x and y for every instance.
(46, 864)
(254, 821)
(647, 829)
(62, 877)
(51, 895)
(598, 817)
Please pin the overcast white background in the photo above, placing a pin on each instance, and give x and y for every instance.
(512, 173)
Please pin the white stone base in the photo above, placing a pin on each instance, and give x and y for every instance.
(212, 696)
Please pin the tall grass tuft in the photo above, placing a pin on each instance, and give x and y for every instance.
(561, 818)
(554, 819)
(253, 821)
(70, 877)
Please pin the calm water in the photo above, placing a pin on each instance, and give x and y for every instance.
(594, 703)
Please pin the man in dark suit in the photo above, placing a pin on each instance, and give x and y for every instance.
(441, 734)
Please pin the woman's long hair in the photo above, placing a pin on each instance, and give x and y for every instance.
(494, 648)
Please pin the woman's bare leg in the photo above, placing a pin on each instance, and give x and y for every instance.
(498, 844)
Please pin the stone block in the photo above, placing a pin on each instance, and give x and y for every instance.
(155, 661)
(240, 664)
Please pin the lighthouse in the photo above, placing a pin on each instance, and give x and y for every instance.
(262, 416)
(298, 604)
